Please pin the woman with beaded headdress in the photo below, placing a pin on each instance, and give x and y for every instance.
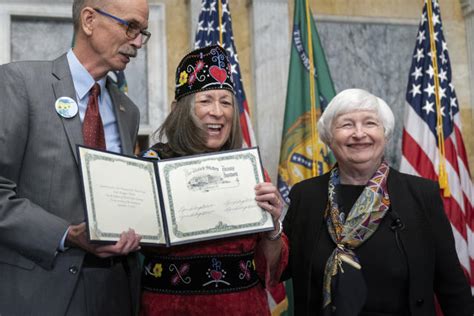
(178, 280)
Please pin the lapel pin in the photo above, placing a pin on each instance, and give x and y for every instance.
(66, 107)
(122, 109)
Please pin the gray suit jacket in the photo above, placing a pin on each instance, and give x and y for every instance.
(40, 192)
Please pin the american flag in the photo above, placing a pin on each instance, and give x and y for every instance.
(215, 27)
(426, 148)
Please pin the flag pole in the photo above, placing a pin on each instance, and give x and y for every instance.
(442, 176)
(219, 14)
(312, 89)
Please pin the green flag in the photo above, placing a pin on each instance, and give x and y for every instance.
(310, 88)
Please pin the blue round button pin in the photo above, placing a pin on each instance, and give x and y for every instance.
(66, 107)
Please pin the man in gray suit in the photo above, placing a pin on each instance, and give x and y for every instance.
(47, 265)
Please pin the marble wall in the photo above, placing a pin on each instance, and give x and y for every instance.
(28, 40)
(373, 56)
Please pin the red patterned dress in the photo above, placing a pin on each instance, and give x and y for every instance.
(251, 301)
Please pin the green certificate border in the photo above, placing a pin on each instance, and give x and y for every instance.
(91, 156)
(220, 227)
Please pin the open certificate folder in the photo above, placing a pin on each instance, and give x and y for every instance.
(172, 201)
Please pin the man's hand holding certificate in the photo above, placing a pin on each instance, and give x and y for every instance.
(173, 201)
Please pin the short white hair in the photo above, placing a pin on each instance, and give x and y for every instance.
(354, 100)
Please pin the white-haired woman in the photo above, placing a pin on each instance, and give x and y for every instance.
(365, 239)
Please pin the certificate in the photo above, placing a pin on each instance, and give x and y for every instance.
(172, 201)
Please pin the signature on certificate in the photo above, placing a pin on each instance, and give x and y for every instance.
(241, 205)
(196, 211)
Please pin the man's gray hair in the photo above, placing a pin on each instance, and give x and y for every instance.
(77, 7)
(353, 100)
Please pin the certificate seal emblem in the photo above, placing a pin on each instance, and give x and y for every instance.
(66, 107)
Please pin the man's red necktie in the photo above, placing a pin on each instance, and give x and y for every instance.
(92, 127)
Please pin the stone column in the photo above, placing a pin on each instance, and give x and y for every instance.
(270, 62)
(194, 10)
(468, 12)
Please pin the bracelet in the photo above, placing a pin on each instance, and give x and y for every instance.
(278, 234)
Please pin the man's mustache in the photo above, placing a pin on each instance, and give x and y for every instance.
(129, 51)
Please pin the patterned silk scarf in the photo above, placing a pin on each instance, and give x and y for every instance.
(361, 222)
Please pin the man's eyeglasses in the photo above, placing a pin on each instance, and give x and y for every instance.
(133, 30)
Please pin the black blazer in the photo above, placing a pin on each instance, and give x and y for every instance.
(427, 240)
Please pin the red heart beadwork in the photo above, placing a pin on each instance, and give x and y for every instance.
(218, 73)
(216, 275)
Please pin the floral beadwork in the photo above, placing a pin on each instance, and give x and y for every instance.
(180, 275)
(203, 69)
(195, 72)
(200, 274)
(155, 271)
(245, 267)
(183, 77)
(150, 153)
